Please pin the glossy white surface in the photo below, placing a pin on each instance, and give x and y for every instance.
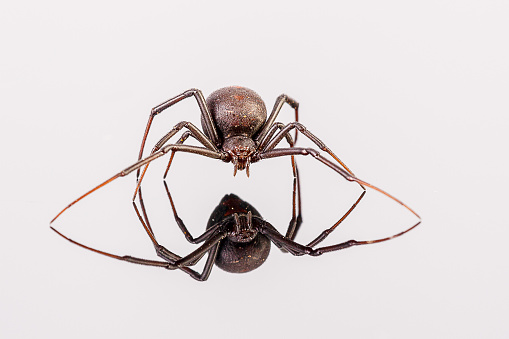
(413, 97)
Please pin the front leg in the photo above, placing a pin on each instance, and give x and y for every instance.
(301, 128)
(309, 151)
(278, 152)
(328, 231)
(350, 243)
(168, 148)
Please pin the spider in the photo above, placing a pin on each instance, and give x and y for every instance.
(235, 129)
(237, 239)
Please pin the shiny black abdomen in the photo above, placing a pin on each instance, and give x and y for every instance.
(236, 111)
(239, 257)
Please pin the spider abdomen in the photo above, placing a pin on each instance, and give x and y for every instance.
(237, 257)
(234, 254)
(237, 111)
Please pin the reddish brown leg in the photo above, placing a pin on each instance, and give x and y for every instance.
(192, 130)
(168, 148)
(295, 125)
(280, 101)
(209, 126)
(299, 249)
(348, 176)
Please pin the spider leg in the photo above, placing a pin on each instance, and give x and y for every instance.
(284, 133)
(179, 221)
(172, 147)
(211, 247)
(328, 231)
(270, 142)
(209, 126)
(298, 249)
(182, 139)
(195, 132)
(351, 177)
(262, 143)
(210, 244)
(208, 265)
(192, 129)
(147, 262)
(295, 125)
(348, 176)
(281, 241)
(350, 243)
(146, 224)
(183, 227)
(127, 258)
(171, 257)
(145, 221)
(280, 101)
(296, 220)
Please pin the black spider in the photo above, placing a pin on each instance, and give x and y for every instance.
(235, 129)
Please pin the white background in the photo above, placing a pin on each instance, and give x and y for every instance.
(413, 96)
